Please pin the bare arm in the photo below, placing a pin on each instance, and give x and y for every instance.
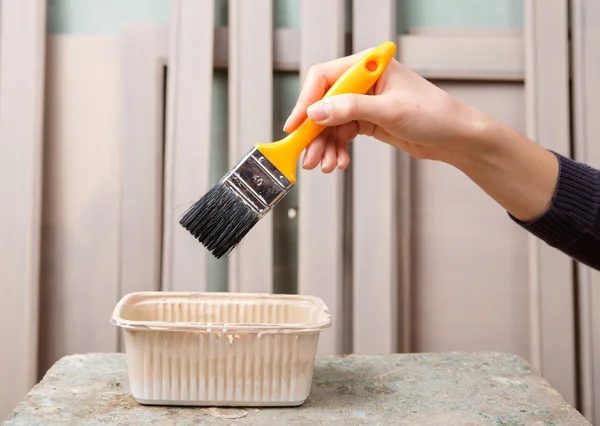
(515, 171)
(551, 196)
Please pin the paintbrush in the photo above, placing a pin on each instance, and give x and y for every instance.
(228, 211)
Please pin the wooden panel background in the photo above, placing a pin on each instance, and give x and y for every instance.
(112, 174)
(22, 63)
(251, 102)
(548, 122)
(585, 15)
(80, 246)
(144, 54)
(375, 261)
(187, 139)
(469, 260)
(321, 260)
(143, 58)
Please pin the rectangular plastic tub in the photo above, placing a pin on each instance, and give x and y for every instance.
(220, 349)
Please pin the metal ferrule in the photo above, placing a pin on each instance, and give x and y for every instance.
(257, 182)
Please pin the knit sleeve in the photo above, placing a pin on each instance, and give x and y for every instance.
(572, 223)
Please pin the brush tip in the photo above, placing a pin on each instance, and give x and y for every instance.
(219, 220)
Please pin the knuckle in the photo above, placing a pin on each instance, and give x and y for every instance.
(349, 105)
(314, 71)
(366, 128)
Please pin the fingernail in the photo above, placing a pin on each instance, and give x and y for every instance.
(319, 111)
(285, 125)
(323, 164)
(303, 161)
(287, 122)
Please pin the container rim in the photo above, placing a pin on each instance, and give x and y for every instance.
(118, 321)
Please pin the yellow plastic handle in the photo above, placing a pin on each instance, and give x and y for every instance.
(359, 78)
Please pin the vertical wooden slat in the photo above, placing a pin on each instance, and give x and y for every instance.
(533, 244)
(404, 208)
(144, 52)
(547, 82)
(375, 257)
(190, 73)
(580, 153)
(81, 215)
(250, 121)
(22, 49)
(585, 15)
(405, 270)
(143, 58)
(321, 219)
(580, 121)
(469, 295)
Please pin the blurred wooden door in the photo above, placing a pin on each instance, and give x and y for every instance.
(585, 48)
(22, 63)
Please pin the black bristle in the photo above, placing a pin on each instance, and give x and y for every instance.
(219, 220)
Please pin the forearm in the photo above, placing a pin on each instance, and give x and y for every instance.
(516, 172)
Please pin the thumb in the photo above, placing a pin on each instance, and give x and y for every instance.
(341, 109)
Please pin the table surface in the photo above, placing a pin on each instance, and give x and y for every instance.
(421, 389)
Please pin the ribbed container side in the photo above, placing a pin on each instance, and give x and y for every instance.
(220, 368)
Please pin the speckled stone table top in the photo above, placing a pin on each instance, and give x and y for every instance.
(414, 389)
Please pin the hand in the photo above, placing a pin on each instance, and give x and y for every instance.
(402, 109)
(408, 112)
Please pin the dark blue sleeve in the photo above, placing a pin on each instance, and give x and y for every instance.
(572, 223)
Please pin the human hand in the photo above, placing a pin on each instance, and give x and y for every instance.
(402, 109)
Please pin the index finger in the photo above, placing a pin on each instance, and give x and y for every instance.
(318, 80)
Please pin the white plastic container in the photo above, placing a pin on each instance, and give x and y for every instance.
(220, 349)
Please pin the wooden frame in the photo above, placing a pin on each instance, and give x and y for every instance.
(377, 279)
(22, 64)
(469, 260)
(463, 57)
(493, 55)
(375, 248)
(250, 121)
(81, 215)
(586, 102)
(127, 256)
(144, 56)
(321, 260)
(188, 139)
(547, 95)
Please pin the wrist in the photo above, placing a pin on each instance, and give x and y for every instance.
(517, 172)
(478, 140)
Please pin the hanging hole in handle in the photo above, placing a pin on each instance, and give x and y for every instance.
(372, 65)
